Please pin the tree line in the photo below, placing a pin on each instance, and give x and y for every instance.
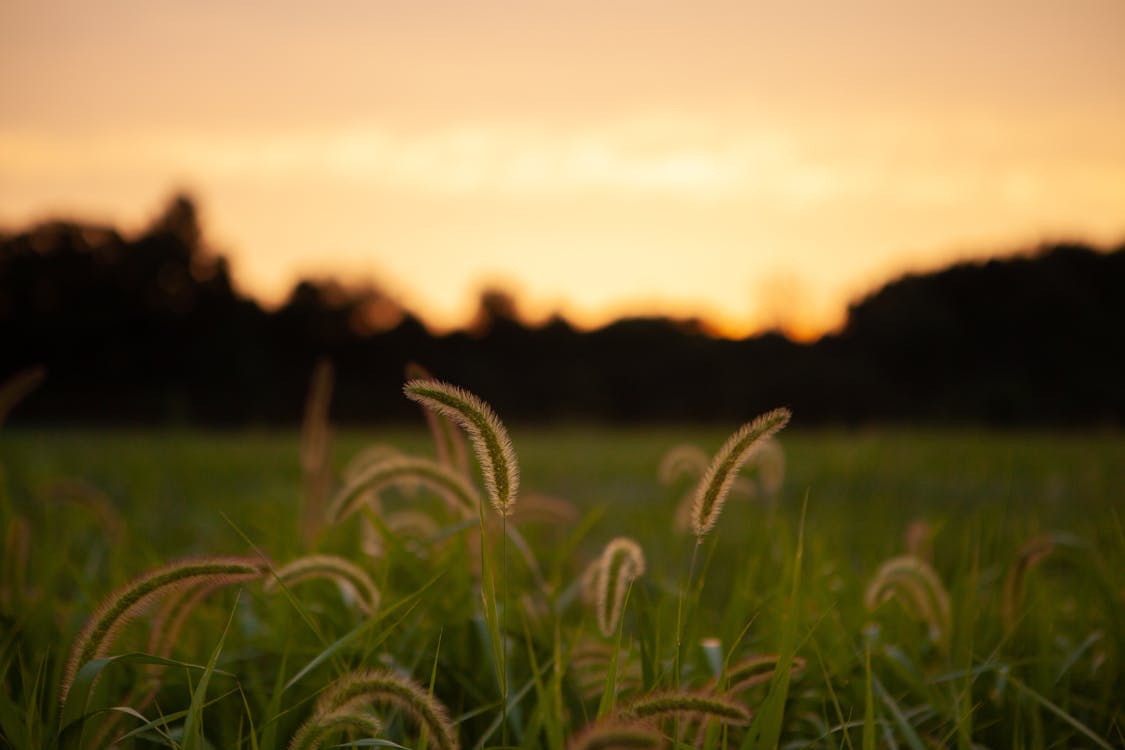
(150, 329)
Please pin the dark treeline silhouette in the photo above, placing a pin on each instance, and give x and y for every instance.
(151, 329)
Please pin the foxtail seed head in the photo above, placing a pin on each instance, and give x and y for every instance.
(458, 494)
(487, 434)
(351, 578)
(119, 607)
(720, 475)
(683, 460)
(621, 563)
(448, 440)
(662, 705)
(920, 590)
(313, 732)
(381, 687)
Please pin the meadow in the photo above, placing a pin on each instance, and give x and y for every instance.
(999, 622)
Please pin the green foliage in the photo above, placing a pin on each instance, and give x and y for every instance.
(773, 644)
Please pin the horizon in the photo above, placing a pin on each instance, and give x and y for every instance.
(755, 167)
(709, 327)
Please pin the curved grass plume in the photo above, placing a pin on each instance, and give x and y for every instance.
(716, 482)
(381, 687)
(622, 562)
(615, 734)
(1033, 552)
(458, 494)
(351, 578)
(486, 432)
(667, 704)
(315, 731)
(757, 670)
(119, 607)
(448, 440)
(914, 583)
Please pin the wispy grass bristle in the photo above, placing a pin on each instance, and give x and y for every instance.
(77, 492)
(757, 670)
(380, 687)
(458, 494)
(769, 457)
(682, 461)
(590, 661)
(917, 586)
(716, 482)
(622, 562)
(539, 508)
(312, 734)
(448, 440)
(118, 608)
(615, 734)
(353, 581)
(668, 704)
(487, 434)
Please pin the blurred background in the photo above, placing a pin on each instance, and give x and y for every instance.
(869, 212)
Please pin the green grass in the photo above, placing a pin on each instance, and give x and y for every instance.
(248, 665)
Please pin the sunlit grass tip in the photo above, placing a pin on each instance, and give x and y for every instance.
(448, 440)
(720, 475)
(458, 494)
(622, 562)
(917, 585)
(487, 434)
(354, 582)
(117, 609)
(381, 687)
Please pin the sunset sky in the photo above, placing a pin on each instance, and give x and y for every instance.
(753, 163)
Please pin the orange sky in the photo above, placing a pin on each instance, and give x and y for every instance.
(753, 163)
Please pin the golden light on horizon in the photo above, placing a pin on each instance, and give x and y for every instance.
(754, 166)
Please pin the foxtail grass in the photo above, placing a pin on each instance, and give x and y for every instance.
(621, 563)
(76, 492)
(682, 461)
(720, 475)
(757, 670)
(770, 461)
(314, 732)
(116, 610)
(352, 579)
(672, 703)
(459, 495)
(448, 440)
(917, 586)
(489, 437)
(381, 687)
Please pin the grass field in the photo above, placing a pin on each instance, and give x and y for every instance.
(1038, 666)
